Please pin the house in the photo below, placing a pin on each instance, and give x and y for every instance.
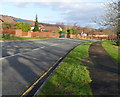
(51, 28)
(41, 27)
(83, 34)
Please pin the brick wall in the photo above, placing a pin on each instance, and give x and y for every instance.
(7, 30)
(89, 37)
(44, 34)
(19, 33)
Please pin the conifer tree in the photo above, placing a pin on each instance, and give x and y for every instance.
(36, 26)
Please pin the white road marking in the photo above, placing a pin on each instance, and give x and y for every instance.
(43, 47)
(10, 56)
(36, 49)
(21, 53)
(54, 44)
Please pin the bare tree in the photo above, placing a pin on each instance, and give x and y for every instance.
(61, 25)
(111, 18)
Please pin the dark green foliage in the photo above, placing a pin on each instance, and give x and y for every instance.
(22, 25)
(72, 31)
(118, 43)
(6, 36)
(36, 26)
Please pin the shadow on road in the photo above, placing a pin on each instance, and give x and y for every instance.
(21, 71)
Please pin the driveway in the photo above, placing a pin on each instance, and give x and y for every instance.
(23, 62)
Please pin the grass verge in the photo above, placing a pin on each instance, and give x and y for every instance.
(112, 50)
(25, 38)
(71, 77)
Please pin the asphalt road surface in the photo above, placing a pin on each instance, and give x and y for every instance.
(23, 62)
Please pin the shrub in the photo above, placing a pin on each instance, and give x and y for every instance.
(6, 36)
(118, 43)
(23, 26)
(72, 31)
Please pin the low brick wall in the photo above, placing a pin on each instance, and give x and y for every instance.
(19, 33)
(88, 37)
(44, 34)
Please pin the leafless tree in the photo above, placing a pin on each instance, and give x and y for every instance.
(111, 18)
(61, 25)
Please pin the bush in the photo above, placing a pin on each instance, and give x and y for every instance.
(72, 31)
(23, 26)
(118, 43)
(6, 36)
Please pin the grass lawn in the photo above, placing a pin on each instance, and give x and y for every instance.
(111, 49)
(25, 38)
(71, 77)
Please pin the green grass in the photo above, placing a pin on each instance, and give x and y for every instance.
(25, 38)
(113, 52)
(71, 76)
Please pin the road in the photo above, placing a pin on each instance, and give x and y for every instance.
(23, 62)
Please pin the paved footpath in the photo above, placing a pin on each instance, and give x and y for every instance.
(104, 72)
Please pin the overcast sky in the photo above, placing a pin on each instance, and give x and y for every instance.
(53, 11)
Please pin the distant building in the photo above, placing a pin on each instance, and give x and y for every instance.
(60, 28)
(32, 28)
(83, 34)
(51, 28)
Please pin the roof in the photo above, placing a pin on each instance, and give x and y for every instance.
(49, 28)
(98, 33)
(17, 20)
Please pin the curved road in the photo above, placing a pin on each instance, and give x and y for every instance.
(23, 62)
